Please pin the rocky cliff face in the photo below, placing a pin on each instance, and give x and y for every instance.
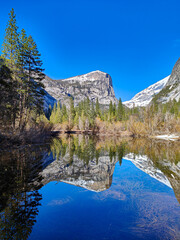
(172, 88)
(94, 85)
(165, 90)
(144, 97)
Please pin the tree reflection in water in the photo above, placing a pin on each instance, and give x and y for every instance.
(19, 195)
(80, 160)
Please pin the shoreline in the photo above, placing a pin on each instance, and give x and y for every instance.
(20, 140)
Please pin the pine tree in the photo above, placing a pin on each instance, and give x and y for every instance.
(58, 114)
(120, 110)
(64, 113)
(53, 113)
(97, 108)
(22, 74)
(114, 109)
(34, 74)
(76, 119)
(71, 113)
(92, 115)
(10, 55)
(8, 95)
(11, 42)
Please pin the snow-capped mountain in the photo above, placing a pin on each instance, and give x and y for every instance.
(94, 85)
(165, 90)
(172, 88)
(144, 97)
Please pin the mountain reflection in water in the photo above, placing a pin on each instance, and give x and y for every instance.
(90, 163)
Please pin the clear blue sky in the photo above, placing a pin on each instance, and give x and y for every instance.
(136, 42)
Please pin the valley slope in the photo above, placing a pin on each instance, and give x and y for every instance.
(162, 91)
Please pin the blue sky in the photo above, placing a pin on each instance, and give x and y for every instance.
(136, 42)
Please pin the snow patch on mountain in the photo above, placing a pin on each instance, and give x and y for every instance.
(144, 97)
(91, 76)
(94, 85)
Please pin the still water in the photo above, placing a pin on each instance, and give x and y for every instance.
(84, 188)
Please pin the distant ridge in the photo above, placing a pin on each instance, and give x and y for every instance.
(162, 91)
(144, 97)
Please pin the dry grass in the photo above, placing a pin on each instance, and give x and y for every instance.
(113, 128)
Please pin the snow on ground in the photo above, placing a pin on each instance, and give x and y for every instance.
(171, 137)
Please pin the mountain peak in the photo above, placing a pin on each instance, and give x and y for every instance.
(95, 84)
(144, 97)
(91, 76)
(97, 71)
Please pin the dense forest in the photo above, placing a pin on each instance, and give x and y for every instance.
(22, 100)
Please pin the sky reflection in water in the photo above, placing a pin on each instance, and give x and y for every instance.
(116, 199)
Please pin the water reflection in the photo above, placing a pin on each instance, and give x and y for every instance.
(80, 163)
(19, 196)
(89, 163)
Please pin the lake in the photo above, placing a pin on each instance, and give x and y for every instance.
(79, 187)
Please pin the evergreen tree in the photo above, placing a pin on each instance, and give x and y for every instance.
(34, 75)
(76, 119)
(22, 74)
(114, 109)
(9, 96)
(58, 114)
(71, 113)
(97, 108)
(120, 110)
(64, 113)
(92, 115)
(11, 41)
(53, 113)
(10, 55)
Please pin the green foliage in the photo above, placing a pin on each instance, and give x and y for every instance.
(71, 113)
(98, 111)
(11, 42)
(21, 62)
(9, 96)
(58, 114)
(120, 111)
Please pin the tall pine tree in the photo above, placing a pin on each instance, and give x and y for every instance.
(11, 42)
(120, 110)
(10, 54)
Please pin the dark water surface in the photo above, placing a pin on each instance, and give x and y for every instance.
(84, 188)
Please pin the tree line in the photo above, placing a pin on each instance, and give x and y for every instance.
(115, 118)
(83, 116)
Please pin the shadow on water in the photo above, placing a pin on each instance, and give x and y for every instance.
(78, 160)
